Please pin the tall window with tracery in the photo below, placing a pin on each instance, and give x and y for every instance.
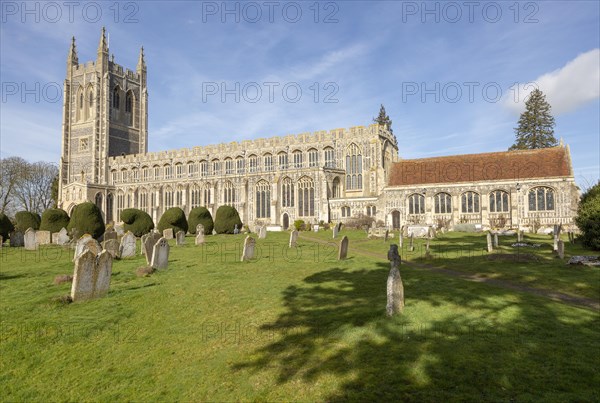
(313, 158)
(469, 202)
(416, 204)
(353, 168)
(306, 197)
(297, 159)
(329, 157)
(287, 193)
(263, 200)
(541, 199)
(228, 193)
(499, 201)
(443, 203)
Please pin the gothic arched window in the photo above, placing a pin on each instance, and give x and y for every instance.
(416, 204)
(443, 203)
(306, 197)
(541, 199)
(287, 193)
(469, 202)
(353, 168)
(263, 200)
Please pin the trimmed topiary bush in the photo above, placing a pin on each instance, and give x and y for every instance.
(27, 219)
(588, 217)
(137, 221)
(200, 215)
(54, 219)
(173, 218)
(226, 219)
(87, 219)
(6, 226)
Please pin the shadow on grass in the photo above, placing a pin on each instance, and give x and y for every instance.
(454, 341)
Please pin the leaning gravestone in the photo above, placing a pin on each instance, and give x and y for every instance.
(17, 239)
(143, 241)
(180, 238)
(148, 246)
(42, 237)
(335, 231)
(561, 249)
(86, 243)
(490, 248)
(29, 239)
(110, 234)
(395, 288)
(248, 252)
(293, 239)
(199, 229)
(263, 232)
(112, 247)
(200, 237)
(160, 254)
(127, 247)
(343, 250)
(91, 277)
(168, 233)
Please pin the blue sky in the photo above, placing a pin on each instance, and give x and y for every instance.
(446, 72)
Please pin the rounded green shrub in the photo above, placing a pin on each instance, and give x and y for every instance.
(226, 219)
(54, 219)
(137, 221)
(588, 218)
(173, 218)
(200, 215)
(6, 226)
(27, 219)
(87, 219)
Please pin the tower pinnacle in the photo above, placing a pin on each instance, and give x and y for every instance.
(141, 65)
(72, 58)
(103, 46)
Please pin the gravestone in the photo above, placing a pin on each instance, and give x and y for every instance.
(143, 241)
(85, 243)
(112, 247)
(43, 237)
(168, 233)
(119, 229)
(561, 249)
(433, 232)
(420, 231)
(180, 238)
(519, 235)
(427, 247)
(236, 230)
(17, 239)
(248, 252)
(495, 240)
(200, 238)
(335, 231)
(214, 232)
(109, 234)
(61, 237)
(91, 277)
(149, 246)
(387, 235)
(30, 239)
(343, 250)
(395, 288)
(263, 232)
(411, 247)
(489, 242)
(200, 229)
(555, 244)
(293, 239)
(127, 247)
(160, 254)
(1, 241)
(400, 239)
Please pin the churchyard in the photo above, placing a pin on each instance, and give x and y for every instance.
(293, 321)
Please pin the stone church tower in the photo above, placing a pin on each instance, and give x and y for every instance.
(105, 114)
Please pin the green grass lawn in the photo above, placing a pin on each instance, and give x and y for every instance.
(297, 325)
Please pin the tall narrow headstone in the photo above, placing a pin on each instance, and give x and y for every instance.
(160, 254)
(495, 243)
(395, 288)
(555, 245)
(263, 232)
(236, 230)
(427, 254)
(293, 239)
(200, 237)
(148, 246)
(343, 250)
(30, 240)
(168, 233)
(1, 241)
(180, 238)
(248, 252)
(490, 248)
(412, 242)
(400, 239)
(519, 235)
(127, 247)
(561, 249)
(200, 229)
(335, 231)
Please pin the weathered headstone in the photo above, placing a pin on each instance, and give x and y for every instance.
(236, 230)
(343, 250)
(427, 254)
(395, 288)
(519, 235)
(168, 233)
(200, 238)
(148, 246)
(411, 247)
(160, 254)
(43, 237)
(335, 231)
(180, 238)
(17, 239)
(561, 249)
(143, 239)
(109, 234)
(555, 244)
(1, 241)
(119, 229)
(490, 248)
(248, 252)
(91, 277)
(419, 231)
(128, 246)
(112, 247)
(495, 240)
(200, 229)
(29, 239)
(85, 243)
(293, 239)
(400, 240)
(61, 237)
(214, 232)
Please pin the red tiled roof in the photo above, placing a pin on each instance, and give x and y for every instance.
(515, 165)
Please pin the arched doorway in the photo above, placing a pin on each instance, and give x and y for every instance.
(396, 219)
(286, 221)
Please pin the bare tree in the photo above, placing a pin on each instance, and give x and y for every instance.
(34, 191)
(12, 171)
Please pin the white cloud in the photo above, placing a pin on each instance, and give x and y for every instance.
(567, 88)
